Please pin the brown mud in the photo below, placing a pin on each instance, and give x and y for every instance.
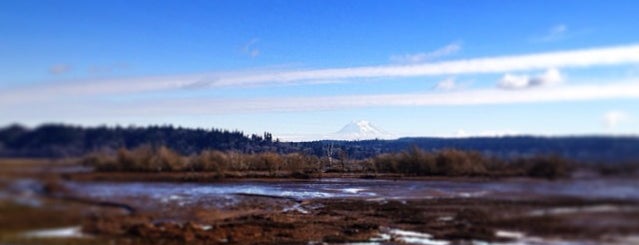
(272, 219)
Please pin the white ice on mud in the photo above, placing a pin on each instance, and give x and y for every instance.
(66, 232)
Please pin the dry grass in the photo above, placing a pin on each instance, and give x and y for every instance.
(414, 162)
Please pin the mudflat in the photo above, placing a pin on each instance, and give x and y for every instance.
(39, 206)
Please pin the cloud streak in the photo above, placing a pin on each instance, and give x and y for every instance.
(612, 119)
(206, 106)
(58, 69)
(555, 33)
(447, 84)
(428, 56)
(461, 98)
(607, 56)
(250, 48)
(159, 108)
(579, 58)
(550, 77)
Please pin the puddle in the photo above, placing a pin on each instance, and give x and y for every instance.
(24, 192)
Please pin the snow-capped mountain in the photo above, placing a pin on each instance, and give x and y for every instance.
(360, 130)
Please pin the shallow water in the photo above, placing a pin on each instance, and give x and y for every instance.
(168, 196)
(226, 193)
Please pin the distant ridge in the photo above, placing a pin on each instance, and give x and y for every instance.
(58, 140)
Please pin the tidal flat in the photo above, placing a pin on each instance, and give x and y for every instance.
(42, 203)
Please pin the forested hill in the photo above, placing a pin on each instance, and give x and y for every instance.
(56, 140)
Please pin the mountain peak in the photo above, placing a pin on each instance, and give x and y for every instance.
(360, 130)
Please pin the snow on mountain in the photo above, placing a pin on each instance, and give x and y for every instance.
(359, 130)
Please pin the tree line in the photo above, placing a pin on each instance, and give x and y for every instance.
(60, 140)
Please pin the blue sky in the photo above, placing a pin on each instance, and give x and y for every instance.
(301, 69)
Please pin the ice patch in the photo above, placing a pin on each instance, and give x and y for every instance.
(353, 190)
(67, 232)
(297, 207)
(472, 194)
(381, 237)
(509, 234)
(445, 218)
(413, 237)
(398, 232)
(520, 238)
(590, 209)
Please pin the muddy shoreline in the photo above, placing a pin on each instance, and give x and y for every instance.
(211, 177)
(385, 210)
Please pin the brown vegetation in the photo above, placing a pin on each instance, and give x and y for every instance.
(413, 162)
(162, 159)
(451, 162)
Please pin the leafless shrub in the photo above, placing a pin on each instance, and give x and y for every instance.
(415, 162)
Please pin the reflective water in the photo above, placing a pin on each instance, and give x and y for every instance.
(225, 193)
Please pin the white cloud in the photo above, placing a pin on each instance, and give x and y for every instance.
(207, 106)
(449, 49)
(461, 133)
(612, 119)
(447, 84)
(550, 77)
(580, 58)
(58, 69)
(467, 97)
(510, 81)
(558, 29)
(110, 68)
(148, 108)
(555, 33)
(250, 49)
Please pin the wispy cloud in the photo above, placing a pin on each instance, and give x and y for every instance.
(250, 48)
(207, 106)
(58, 69)
(612, 119)
(550, 77)
(110, 68)
(579, 58)
(468, 97)
(70, 109)
(584, 58)
(461, 133)
(555, 33)
(452, 84)
(447, 84)
(449, 49)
